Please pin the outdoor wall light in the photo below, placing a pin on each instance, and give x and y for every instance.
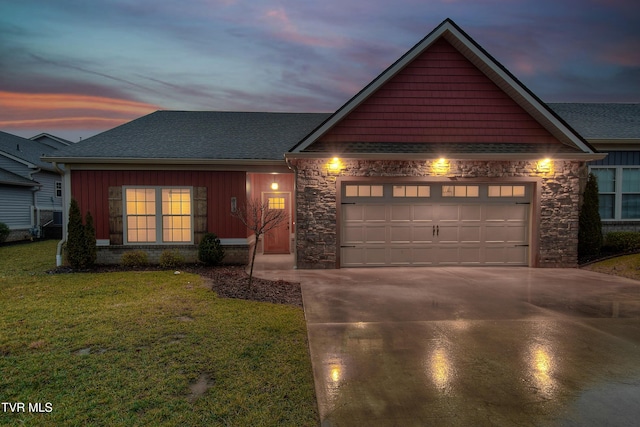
(334, 166)
(545, 166)
(274, 184)
(441, 166)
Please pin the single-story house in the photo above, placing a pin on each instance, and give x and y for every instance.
(613, 129)
(30, 189)
(445, 158)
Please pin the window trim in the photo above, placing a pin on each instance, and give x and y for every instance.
(159, 216)
(57, 189)
(617, 193)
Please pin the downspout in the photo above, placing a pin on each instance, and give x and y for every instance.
(35, 221)
(294, 168)
(66, 189)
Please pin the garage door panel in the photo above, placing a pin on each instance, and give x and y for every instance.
(458, 232)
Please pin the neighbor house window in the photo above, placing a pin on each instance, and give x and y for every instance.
(158, 215)
(618, 192)
(58, 188)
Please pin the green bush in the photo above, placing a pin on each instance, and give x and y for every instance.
(4, 232)
(136, 258)
(210, 251)
(76, 241)
(170, 258)
(622, 241)
(90, 237)
(590, 225)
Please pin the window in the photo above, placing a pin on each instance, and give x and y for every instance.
(154, 215)
(58, 188)
(506, 191)
(276, 202)
(363, 191)
(411, 191)
(619, 192)
(460, 191)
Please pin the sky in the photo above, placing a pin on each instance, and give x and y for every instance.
(75, 68)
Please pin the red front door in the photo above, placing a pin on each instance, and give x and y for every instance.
(277, 241)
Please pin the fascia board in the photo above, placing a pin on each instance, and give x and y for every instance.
(457, 156)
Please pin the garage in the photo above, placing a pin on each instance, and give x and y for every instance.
(434, 224)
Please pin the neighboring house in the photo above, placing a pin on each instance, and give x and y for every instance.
(444, 159)
(51, 140)
(613, 129)
(30, 189)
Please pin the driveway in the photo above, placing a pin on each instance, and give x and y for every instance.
(472, 346)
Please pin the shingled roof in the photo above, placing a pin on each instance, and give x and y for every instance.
(28, 151)
(197, 135)
(601, 121)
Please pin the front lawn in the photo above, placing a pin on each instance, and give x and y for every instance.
(144, 348)
(625, 266)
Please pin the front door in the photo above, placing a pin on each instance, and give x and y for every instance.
(277, 241)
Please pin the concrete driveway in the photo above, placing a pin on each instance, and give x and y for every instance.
(472, 346)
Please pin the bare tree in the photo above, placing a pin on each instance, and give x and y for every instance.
(259, 218)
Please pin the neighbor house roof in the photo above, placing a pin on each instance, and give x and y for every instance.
(599, 122)
(10, 178)
(203, 136)
(25, 151)
(497, 73)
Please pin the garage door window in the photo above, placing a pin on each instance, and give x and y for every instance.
(364, 191)
(411, 191)
(460, 191)
(506, 191)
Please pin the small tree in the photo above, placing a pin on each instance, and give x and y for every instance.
(260, 219)
(4, 232)
(90, 239)
(76, 241)
(590, 232)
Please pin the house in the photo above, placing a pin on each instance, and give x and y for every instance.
(444, 159)
(30, 189)
(614, 129)
(51, 140)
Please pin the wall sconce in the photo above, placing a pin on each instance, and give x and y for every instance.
(274, 184)
(545, 166)
(441, 166)
(334, 166)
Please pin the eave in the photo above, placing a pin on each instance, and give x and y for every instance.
(453, 156)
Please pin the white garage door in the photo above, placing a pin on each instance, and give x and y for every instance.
(434, 224)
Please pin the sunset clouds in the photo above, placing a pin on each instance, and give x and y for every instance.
(77, 67)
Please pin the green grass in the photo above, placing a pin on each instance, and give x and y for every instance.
(125, 348)
(625, 266)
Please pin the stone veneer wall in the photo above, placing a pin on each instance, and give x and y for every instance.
(560, 196)
(234, 254)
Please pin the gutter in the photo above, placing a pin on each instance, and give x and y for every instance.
(66, 190)
(453, 156)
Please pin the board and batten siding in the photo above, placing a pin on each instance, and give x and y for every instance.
(440, 97)
(91, 189)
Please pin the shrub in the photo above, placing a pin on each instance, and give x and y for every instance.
(90, 238)
(622, 241)
(136, 258)
(4, 231)
(590, 225)
(210, 251)
(76, 241)
(170, 258)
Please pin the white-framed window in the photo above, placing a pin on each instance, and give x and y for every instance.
(158, 214)
(460, 191)
(364, 190)
(276, 202)
(58, 189)
(411, 191)
(618, 192)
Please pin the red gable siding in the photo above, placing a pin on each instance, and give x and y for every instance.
(439, 97)
(91, 190)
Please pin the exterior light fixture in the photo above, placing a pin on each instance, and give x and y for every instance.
(274, 184)
(334, 165)
(440, 166)
(545, 166)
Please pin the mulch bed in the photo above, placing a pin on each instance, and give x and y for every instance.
(226, 282)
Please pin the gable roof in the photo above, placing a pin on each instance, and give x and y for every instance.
(25, 151)
(600, 121)
(10, 178)
(51, 140)
(574, 145)
(195, 136)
